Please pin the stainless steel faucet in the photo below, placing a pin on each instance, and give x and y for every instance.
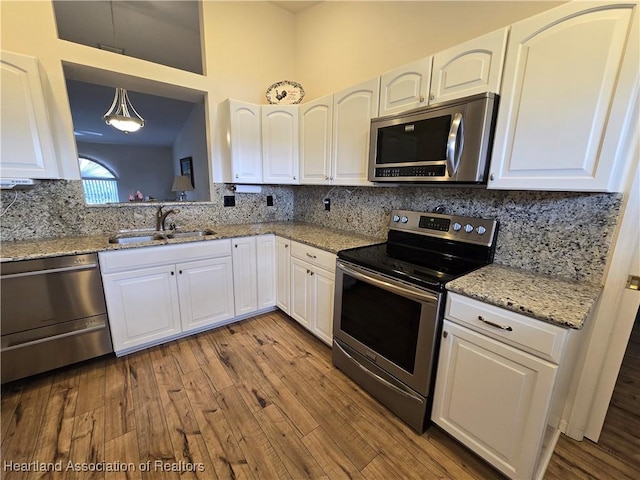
(161, 217)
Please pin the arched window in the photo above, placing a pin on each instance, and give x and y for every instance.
(99, 183)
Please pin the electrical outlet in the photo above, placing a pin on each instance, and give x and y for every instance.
(269, 200)
(327, 204)
(229, 201)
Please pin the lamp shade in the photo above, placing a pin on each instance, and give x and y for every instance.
(181, 183)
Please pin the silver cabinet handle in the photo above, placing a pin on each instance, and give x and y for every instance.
(311, 256)
(455, 144)
(492, 324)
(421, 99)
(432, 96)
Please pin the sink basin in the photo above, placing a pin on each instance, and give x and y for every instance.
(149, 236)
(196, 233)
(137, 237)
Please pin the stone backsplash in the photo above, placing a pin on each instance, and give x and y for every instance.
(565, 234)
(57, 209)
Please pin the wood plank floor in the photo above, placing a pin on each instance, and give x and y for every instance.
(258, 399)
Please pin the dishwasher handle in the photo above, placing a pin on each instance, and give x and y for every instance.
(88, 266)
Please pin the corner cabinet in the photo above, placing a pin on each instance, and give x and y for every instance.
(154, 294)
(567, 99)
(243, 142)
(469, 68)
(27, 145)
(353, 110)
(280, 164)
(501, 384)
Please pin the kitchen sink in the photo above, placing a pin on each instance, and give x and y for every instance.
(196, 233)
(149, 236)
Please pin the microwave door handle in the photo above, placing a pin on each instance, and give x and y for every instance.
(455, 146)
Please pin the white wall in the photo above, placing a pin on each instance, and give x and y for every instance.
(339, 44)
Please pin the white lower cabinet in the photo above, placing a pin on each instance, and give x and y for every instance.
(494, 397)
(283, 274)
(205, 293)
(312, 289)
(153, 296)
(254, 273)
(245, 279)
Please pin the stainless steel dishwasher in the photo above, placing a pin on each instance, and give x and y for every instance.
(52, 314)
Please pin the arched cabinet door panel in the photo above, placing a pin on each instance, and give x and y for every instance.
(27, 142)
(566, 99)
(469, 68)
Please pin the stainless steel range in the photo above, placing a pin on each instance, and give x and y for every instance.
(389, 305)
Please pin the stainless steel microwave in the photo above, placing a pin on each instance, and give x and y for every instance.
(446, 142)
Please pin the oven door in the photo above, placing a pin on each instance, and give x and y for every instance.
(391, 323)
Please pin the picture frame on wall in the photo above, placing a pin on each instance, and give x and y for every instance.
(186, 168)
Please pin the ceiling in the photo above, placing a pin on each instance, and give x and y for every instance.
(295, 7)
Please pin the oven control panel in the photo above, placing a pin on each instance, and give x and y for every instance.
(480, 231)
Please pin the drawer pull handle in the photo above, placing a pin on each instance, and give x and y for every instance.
(501, 327)
(311, 256)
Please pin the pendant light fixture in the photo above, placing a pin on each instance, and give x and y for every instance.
(120, 114)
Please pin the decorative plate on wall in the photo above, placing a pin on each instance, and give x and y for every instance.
(285, 93)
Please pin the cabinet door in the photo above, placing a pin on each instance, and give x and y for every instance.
(322, 288)
(560, 77)
(353, 110)
(493, 398)
(27, 147)
(266, 270)
(469, 68)
(245, 286)
(300, 302)
(283, 272)
(205, 289)
(316, 118)
(142, 306)
(280, 163)
(245, 142)
(406, 87)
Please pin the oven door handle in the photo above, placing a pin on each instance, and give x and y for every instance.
(388, 384)
(402, 290)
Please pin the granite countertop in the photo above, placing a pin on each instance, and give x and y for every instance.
(554, 300)
(314, 235)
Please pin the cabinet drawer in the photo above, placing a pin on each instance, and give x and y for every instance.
(534, 336)
(314, 256)
(132, 258)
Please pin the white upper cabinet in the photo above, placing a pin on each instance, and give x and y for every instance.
(353, 110)
(566, 99)
(316, 118)
(406, 87)
(469, 68)
(27, 142)
(280, 144)
(244, 142)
